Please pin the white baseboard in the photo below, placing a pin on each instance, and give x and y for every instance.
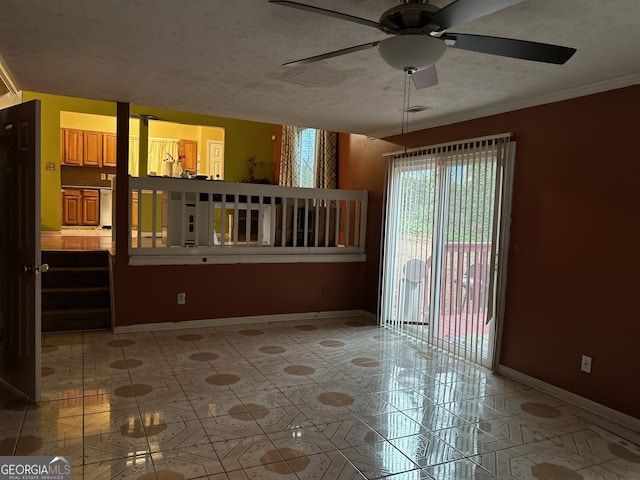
(605, 417)
(217, 322)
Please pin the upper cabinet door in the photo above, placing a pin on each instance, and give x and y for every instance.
(72, 150)
(190, 149)
(92, 149)
(108, 150)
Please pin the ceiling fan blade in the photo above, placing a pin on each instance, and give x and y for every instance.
(329, 13)
(507, 47)
(335, 53)
(427, 77)
(463, 11)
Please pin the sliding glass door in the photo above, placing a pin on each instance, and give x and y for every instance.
(443, 235)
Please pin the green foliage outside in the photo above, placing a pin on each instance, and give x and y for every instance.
(469, 192)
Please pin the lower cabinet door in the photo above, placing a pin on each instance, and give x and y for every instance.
(90, 207)
(71, 206)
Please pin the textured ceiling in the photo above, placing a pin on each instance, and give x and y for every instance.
(223, 57)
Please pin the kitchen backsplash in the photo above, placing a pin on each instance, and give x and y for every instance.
(85, 176)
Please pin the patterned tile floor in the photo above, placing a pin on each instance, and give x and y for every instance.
(341, 399)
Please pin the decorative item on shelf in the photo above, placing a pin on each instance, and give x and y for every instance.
(168, 168)
(171, 162)
(251, 165)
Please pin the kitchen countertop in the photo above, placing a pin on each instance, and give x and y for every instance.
(86, 186)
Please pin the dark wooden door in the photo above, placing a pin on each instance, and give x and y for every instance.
(20, 247)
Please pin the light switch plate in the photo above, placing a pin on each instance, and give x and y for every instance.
(585, 366)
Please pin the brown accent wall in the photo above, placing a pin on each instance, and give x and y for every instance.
(574, 259)
(148, 294)
(361, 166)
(85, 176)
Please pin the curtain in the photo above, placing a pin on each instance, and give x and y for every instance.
(134, 153)
(289, 157)
(159, 151)
(326, 159)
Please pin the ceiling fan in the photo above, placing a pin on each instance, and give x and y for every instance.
(420, 36)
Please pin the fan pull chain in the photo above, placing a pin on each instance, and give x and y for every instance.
(405, 101)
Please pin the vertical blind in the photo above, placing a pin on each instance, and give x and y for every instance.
(444, 205)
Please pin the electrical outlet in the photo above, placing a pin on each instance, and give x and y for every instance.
(103, 176)
(182, 298)
(586, 364)
(325, 292)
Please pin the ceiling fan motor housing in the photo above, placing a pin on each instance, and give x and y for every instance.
(409, 17)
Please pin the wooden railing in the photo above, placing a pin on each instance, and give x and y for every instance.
(211, 220)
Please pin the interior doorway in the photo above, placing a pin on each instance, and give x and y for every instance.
(215, 159)
(445, 235)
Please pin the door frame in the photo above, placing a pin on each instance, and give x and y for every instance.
(496, 259)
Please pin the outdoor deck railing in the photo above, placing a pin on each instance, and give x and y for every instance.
(209, 220)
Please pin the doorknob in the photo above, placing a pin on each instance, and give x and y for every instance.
(35, 268)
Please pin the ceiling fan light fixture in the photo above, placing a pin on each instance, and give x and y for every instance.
(411, 51)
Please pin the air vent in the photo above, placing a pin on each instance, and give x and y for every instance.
(416, 109)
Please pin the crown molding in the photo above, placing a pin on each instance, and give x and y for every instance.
(519, 104)
(9, 100)
(7, 79)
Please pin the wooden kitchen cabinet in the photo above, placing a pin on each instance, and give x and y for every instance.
(80, 206)
(90, 207)
(72, 147)
(190, 149)
(71, 206)
(108, 150)
(82, 147)
(92, 149)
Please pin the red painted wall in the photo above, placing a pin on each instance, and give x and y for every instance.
(362, 167)
(574, 256)
(148, 294)
(574, 263)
